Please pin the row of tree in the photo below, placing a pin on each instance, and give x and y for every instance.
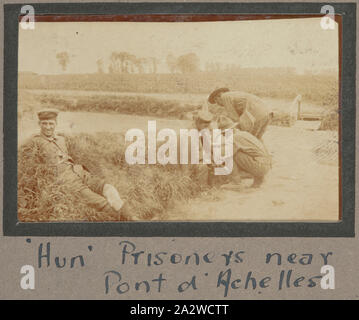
(124, 62)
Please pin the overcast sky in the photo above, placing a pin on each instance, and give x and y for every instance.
(298, 43)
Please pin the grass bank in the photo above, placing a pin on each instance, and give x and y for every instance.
(150, 189)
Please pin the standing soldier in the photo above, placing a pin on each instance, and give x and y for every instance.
(52, 151)
(248, 110)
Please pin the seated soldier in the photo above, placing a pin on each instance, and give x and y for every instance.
(249, 111)
(249, 154)
(95, 192)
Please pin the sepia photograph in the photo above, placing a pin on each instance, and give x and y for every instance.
(179, 121)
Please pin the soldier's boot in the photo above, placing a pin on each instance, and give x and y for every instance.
(119, 206)
(112, 196)
(245, 175)
(257, 182)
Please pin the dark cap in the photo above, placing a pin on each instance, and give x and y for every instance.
(216, 93)
(47, 114)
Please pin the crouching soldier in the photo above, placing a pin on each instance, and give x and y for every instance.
(94, 191)
(249, 154)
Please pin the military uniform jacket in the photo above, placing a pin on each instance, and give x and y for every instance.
(52, 151)
(245, 142)
(244, 108)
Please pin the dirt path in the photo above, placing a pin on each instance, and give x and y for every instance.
(301, 185)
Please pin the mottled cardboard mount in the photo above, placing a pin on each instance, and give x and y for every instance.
(301, 246)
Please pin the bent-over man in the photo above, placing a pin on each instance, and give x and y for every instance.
(248, 110)
(52, 150)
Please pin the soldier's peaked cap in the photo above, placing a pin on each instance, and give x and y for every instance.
(216, 93)
(47, 114)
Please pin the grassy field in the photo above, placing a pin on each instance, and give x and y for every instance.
(319, 89)
(134, 105)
